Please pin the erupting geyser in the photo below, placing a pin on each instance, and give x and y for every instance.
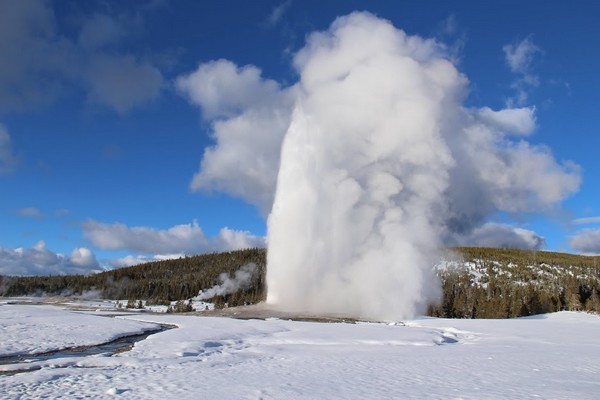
(355, 224)
(369, 164)
(382, 165)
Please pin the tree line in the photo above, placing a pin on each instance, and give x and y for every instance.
(507, 283)
(476, 282)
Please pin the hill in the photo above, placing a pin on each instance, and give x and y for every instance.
(158, 282)
(476, 282)
(505, 283)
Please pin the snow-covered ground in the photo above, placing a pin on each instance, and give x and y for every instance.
(552, 356)
(30, 329)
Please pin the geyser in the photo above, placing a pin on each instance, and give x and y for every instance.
(382, 165)
(355, 223)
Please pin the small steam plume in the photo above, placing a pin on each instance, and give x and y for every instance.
(241, 280)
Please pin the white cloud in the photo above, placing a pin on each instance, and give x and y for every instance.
(520, 55)
(278, 12)
(587, 220)
(519, 58)
(83, 257)
(31, 212)
(38, 260)
(229, 239)
(128, 261)
(186, 239)
(586, 241)
(503, 235)
(8, 159)
(40, 63)
(222, 89)
(510, 120)
(249, 117)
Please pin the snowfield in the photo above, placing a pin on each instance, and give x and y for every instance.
(30, 329)
(553, 356)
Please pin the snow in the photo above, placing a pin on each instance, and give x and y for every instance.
(550, 356)
(29, 329)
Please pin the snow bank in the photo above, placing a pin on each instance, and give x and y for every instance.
(30, 329)
(551, 356)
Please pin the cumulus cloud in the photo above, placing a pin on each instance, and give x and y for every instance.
(519, 121)
(39, 62)
(185, 239)
(229, 239)
(83, 257)
(519, 57)
(8, 159)
(249, 116)
(130, 260)
(31, 212)
(502, 235)
(38, 260)
(586, 241)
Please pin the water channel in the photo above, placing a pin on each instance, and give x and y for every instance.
(119, 345)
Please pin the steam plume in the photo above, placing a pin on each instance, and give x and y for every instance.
(241, 280)
(381, 165)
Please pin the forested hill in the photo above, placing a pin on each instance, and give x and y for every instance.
(476, 282)
(158, 282)
(501, 283)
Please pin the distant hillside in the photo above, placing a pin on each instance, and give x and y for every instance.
(504, 283)
(158, 282)
(476, 282)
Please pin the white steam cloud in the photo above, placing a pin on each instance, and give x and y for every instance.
(241, 280)
(378, 164)
(364, 167)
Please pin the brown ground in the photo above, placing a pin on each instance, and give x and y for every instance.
(264, 311)
(254, 311)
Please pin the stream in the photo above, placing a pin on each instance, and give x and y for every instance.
(119, 345)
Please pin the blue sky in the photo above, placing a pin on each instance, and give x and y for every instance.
(103, 129)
